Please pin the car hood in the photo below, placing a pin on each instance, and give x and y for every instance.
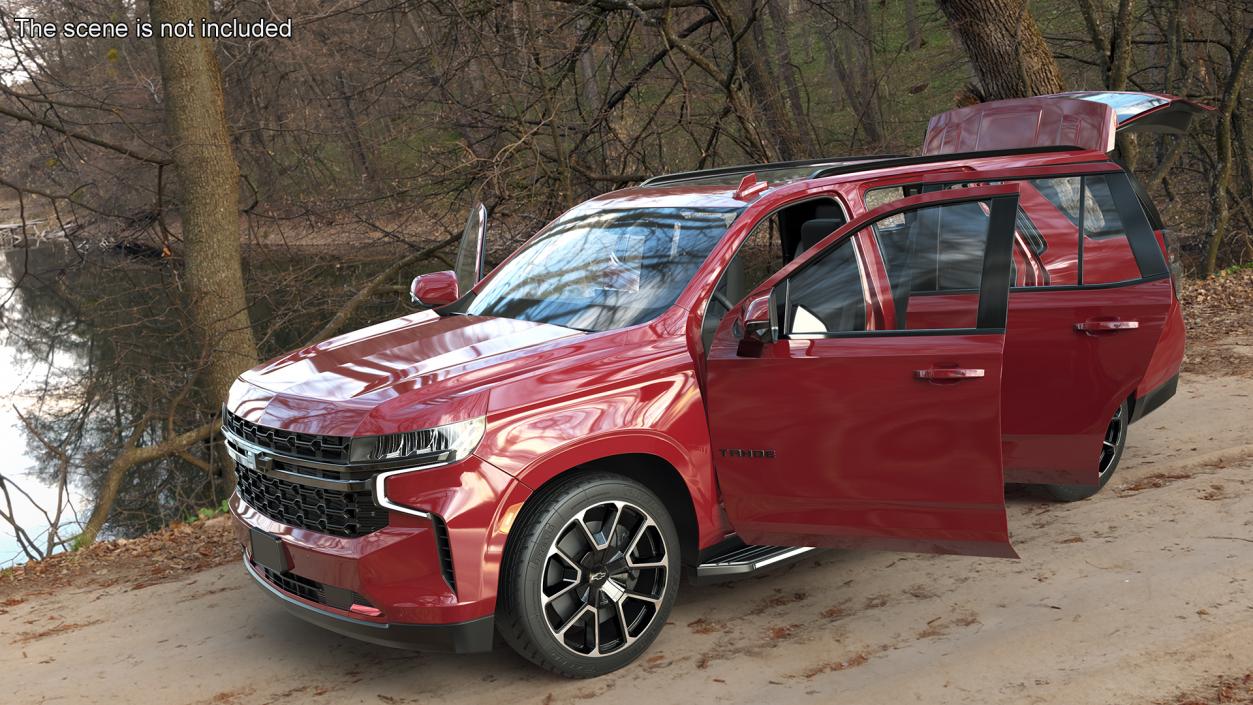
(332, 387)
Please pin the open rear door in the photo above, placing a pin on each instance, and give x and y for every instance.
(1084, 119)
(847, 427)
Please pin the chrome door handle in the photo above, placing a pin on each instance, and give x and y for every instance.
(949, 373)
(1106, 326)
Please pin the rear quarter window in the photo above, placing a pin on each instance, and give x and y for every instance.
(1107, 255)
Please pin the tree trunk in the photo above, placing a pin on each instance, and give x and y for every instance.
(361, 160)
(1120, 47)
(209, 176)
(913, 32)
(791, 78)
(760, 77)
(1009, 56)
(851, 62)
(1219, 200)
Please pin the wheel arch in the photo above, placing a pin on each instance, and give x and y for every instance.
(654, 472)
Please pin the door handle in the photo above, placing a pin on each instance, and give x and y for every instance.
(1094, 326)
(949, 373)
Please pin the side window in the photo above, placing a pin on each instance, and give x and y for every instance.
(1090, 209)
(1107, 256)
(936, 249)
(1048, 248)
(923, 250)
(828, 296)
(760, 256)
(1046, 251)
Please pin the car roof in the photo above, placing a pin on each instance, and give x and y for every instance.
(718, 188)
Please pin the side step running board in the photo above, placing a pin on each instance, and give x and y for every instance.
(749, 559)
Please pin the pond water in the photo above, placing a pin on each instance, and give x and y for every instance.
(89, 345)
(20, 376)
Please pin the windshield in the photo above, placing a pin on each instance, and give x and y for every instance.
(603, 269)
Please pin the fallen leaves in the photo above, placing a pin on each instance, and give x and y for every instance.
(833, 666)
(780, 633)
(705, 626)
(1153, 481)
(172, 553)
(1216, 314)
(62, 628)
(1226, 690)
(779, 599)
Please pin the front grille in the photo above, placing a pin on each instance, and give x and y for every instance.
(312, 590)
(327, 511)
(328, 449)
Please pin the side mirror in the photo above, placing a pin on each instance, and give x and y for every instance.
(756, 327)
(758, 320)
(434, 289)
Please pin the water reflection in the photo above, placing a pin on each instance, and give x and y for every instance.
(95, 348)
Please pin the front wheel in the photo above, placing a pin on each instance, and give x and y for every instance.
(589, 576)
(1111, 452)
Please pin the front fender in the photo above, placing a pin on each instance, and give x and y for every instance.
(662, 417)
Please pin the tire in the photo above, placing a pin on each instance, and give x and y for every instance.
(1111, 453)
(554, 571)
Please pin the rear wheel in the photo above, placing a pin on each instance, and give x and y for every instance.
(1111, 452)
(590, 575)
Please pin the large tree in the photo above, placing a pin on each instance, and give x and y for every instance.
(200, 144)
(1006, 50)
(208, 174)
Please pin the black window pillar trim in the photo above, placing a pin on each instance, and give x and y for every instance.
(1144, 247)
(994, 283)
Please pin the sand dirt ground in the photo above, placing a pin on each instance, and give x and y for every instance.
(1140, 594)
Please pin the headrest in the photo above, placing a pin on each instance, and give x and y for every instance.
(812, 231)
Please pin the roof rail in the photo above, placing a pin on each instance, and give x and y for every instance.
(749, 168)
(839, 169)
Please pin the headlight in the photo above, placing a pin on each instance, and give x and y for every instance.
(442, 444)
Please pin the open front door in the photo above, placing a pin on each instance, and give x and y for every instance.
(471, 254)
(846, 426)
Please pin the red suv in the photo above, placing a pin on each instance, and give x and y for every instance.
(715, 372)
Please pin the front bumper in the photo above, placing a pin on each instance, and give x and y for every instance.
(472, 636)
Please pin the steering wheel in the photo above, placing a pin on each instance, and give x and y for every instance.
(726, 303)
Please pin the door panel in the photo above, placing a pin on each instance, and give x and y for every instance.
(841, 434)
(1062, 385)
(865, 454)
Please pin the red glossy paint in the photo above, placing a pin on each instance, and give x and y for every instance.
(894, 440)
(1064, 383)
(868, 452)
(1025, 122)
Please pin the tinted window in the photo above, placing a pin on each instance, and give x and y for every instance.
(942, 247)
(1046, 251)
(1048, 228)
(924, 250)
(1089, 207)
(773, 242)
(1107, 256)
(827, 296)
